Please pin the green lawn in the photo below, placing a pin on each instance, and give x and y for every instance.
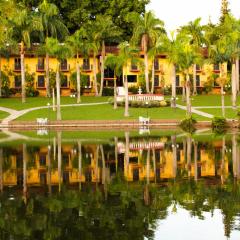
(106, 112)
(3, 115)
(208, 100)
(230, 113)
(16, 103)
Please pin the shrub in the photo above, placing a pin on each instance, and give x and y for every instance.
(163, 103)
(108, 91)
(30, 90)
(219, 124)
(5, 85)
(187, 124)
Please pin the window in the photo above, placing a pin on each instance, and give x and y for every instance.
(198, 68)
(156, 64)
(40, 65)
(135, 174)
(134, 66)
(17, 64)
(64, 64)
(86, 81)
(132, 78)
(108, 73)
(198, 81)
(64, 81)
(86, 64)
(156, 81)
(216, 67)
(41, 81)
(42, 160)
(177, 81)
(17, 81)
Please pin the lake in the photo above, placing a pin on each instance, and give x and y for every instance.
(146, 184)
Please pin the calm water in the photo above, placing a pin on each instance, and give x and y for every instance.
(119, 185)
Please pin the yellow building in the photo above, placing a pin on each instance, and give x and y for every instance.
(36, 65)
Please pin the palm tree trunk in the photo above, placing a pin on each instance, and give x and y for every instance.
(0, 76)
(234, 87)
(23, 73)
(47, 76)
(146, 62)
(78, 82)
(58, 94)
(189, 111)
(59, 154)
(95, 75)
(223, 101)
(153, 74)
(183, 92)
(115, 92)
(173, 100)
(102, 68)
(126, 113)
(237, 73)
(53, 98)
(194, 80)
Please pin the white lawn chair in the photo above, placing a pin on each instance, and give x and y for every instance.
(144, 120)
(42, 121)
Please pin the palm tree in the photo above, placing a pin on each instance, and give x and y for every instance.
(112, 61)
(126, 54)
(61, 52)
(147, 28)
(195, 30)
(25, 23)
(77, 43)
(53, 26)
(106, 31)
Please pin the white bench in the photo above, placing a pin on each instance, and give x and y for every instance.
(42, 121)
(143, 120)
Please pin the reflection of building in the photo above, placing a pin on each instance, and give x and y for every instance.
(151, 160)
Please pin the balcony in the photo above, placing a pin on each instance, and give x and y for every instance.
(17, 67)
(87, 68)
(64, 67)
(156, 67)
(40, 68)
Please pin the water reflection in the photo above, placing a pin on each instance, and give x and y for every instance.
(121, 188)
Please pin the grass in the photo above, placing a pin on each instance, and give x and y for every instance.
(106, 112)
(208, 100)
(229, 112)
(3, 115)
(16, 103)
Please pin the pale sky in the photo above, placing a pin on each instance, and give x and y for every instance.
(177, 13)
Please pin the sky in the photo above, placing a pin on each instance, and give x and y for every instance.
(177, 13)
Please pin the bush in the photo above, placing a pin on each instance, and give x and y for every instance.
(163, 103)
(108, 91)
(187, 124)
(219, 124)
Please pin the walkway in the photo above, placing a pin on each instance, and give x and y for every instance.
(14, 114)
(194, 110)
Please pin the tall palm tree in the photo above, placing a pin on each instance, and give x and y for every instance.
(146, 30)
(25, 22)
(61, 52)
(107, 31)
(127, 54)
(77, 42)
(53, 26)
(195, 30)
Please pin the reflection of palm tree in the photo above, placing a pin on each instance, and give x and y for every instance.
(1, 169)
(103, 171)
(80, 163)
(49, 170)
(223, 159)
(59, 154)
(24, 148)
(195, 145)
(116, 152)
(189, 154)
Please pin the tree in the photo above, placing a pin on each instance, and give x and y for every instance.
(61, 52)
(78, 44)
(147, 28)
(127, 54)
(195, 30)
(25, 23)
(53, 26)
